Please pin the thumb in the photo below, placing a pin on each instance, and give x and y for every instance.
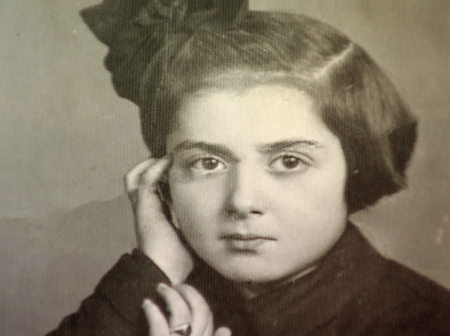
(223, 331)
(157, 323)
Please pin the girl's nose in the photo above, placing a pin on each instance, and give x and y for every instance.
(245, 192)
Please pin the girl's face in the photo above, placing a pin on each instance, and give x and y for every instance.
(257, 181)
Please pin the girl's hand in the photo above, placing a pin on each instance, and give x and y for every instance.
(189, 314)
(156, 236)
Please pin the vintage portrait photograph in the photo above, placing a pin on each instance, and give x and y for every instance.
(225, 167)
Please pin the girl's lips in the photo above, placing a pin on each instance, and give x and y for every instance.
(246, 242)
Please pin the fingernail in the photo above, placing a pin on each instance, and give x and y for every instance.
(166, 161)
(169, 158)
(161, 287)
(146, 303)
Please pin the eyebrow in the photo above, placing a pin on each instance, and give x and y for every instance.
(283, 145)
(223, 151)
(216, 149)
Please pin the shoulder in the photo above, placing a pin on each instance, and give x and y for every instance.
(399, 277)
(420, 302)
(403, 303)
(387, 298)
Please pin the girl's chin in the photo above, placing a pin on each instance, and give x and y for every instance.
(252, 285)
(261, 276)
(248, 275)
(256, 268)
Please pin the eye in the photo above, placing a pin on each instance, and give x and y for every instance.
(288, 163)
(208, 165)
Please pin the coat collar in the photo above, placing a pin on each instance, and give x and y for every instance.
(304, 304)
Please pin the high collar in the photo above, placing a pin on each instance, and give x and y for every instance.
(304, 304)
(301, 305)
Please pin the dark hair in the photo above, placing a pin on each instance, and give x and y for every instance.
(355, 99)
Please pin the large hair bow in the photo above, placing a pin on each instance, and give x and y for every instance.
(135, 30)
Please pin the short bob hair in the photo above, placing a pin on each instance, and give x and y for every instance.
(354, 98)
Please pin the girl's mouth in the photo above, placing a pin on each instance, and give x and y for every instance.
(246, 242)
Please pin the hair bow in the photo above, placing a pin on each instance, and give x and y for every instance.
(134, 31)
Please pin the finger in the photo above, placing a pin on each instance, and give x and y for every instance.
(141, 183)
(179, 310)
(201, 316)
(149, 178)
(157, 323)
(133, 176)
(223, 331)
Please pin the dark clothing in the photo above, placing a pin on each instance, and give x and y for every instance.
(353, 291)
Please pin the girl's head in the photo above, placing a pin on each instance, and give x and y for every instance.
(353, 97)
(279, 126)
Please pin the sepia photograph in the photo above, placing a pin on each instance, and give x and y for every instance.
(225, 167)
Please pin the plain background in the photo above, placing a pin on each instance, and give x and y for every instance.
(66, 140)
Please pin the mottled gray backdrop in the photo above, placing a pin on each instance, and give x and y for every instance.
(67, 140)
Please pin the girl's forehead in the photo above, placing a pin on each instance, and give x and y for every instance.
(257, 115)
(259, 97)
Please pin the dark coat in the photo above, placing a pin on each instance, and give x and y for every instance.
(353, 291)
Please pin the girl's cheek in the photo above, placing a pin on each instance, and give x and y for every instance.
(198, 198)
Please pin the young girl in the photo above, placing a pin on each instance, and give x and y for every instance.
(267, 131)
